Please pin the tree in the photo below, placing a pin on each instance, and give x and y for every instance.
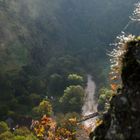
(72, 100)
(55, 85)
(44, 108)
(75, 79)
(22, 133)
(3, 127)
(104, 98)
(7, 135)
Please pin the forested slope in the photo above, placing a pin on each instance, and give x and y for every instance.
(43, 42)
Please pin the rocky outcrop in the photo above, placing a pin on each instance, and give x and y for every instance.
(122, 122)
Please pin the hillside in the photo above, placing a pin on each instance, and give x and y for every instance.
(47, 50)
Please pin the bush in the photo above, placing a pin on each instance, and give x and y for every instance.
(3, 127)
(44, 108)
(6, 136)
(72, 100)
(22, 131)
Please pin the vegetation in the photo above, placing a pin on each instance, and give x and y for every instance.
(72, 100)
(47, 49)
(19, 134)
(105, 96)
(48, 128)
(44, 108)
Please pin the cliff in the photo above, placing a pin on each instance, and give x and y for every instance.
(122, 121)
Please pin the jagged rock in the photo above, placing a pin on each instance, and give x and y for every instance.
(123, 122)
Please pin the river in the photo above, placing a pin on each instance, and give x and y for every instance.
(90, 103)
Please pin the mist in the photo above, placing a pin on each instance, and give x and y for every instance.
(54, 62)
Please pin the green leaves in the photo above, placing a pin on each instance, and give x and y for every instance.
(44, 108)
(72, 100)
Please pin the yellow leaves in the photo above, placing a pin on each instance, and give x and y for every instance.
(47, 128)
(39, 131)
(98, 122)
(73, 120)
(64, 133)
(114, 78)
(50, 134)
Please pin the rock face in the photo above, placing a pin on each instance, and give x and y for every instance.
(122, 122)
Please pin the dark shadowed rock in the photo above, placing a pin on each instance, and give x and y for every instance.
(123, 121)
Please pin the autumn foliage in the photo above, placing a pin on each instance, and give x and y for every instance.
(48, 129)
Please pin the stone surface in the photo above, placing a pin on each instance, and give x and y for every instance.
(122, 121)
